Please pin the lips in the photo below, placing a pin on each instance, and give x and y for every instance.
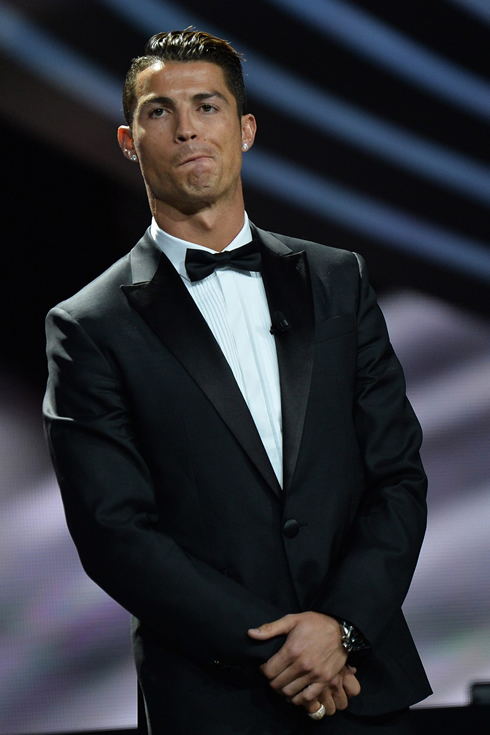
(190, 156)
(192, 159)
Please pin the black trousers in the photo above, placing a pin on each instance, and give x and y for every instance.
(344, 723)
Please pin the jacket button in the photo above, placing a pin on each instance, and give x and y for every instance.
(291, 528)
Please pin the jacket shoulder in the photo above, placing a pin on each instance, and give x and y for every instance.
(101, 294)
(322, 257)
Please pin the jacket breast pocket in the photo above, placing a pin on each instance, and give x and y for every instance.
(329, 328)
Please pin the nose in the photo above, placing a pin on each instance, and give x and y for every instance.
(185, 129)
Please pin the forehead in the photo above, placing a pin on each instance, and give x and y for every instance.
(176, 79)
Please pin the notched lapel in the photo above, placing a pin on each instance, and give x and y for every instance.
(288, 288)
(170, 311)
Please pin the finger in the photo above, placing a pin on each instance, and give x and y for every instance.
(310, 693)
(293, 675)
(269, 630)
(284, 669)
(292, 679)
(327, 700)
(351, 686)
(338, 694)
(350, 683)
(283, 665)
(312, 707)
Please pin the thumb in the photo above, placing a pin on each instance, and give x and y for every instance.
(269, 630)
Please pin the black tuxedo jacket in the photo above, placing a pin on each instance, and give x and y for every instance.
(174, 506)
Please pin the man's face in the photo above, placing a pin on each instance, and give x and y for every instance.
(188, 136)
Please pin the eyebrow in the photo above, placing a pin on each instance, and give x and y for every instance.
(169, 102)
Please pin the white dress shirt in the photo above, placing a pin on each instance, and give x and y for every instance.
(234, 305)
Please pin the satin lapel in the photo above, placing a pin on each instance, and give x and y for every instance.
(288, 288)
(170, 311)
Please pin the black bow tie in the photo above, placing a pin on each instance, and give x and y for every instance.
(199, 263)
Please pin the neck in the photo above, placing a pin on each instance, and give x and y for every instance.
(212, 227)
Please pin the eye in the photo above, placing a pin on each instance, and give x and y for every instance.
(158, 112)
(208, 108)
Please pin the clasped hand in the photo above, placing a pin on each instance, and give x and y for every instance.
(311, 667)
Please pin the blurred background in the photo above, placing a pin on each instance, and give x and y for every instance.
(373, 135)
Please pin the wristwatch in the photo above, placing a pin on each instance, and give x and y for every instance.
(352, 639)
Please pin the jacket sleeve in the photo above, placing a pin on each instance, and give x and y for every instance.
(110, 509)
(371, 579)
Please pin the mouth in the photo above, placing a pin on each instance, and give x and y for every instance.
(194, 158)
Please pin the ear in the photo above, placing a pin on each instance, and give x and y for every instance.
(249, 128)
(125, 140)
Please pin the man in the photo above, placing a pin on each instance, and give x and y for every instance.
(228, 422)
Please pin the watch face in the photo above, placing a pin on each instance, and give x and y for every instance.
(352, 639)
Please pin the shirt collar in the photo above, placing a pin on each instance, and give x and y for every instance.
(175, 248)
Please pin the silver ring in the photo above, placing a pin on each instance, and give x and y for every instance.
(318, 715)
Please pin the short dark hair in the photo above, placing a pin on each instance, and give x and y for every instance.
(187, 45)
